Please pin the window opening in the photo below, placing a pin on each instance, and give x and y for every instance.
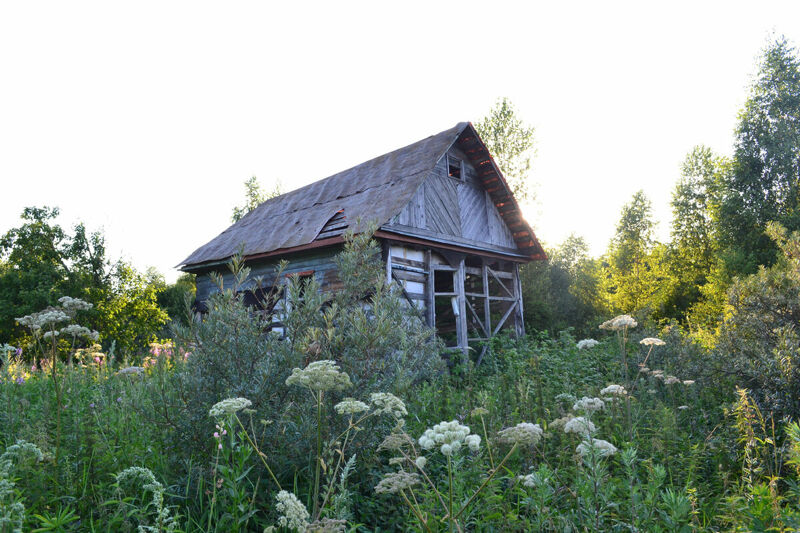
(454, 167)
(443, 281)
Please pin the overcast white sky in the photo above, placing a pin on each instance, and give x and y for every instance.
(144, 119)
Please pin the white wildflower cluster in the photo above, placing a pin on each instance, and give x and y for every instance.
(320, 376)
(395, 482)
(479, 412)
(74, 304)
(652, 341)
(148, 481)
(450, 436)
(12, 513)
(589, 405)
(537, 478)
(614, 390)
(618, 323)
(524, 434)
(74, 330)
(50, 334)
(22, 451)
(350, 406)
(580, 426)
(229, 406)
(395, 441)
(559, 423)
(293, 514)
(420, 462)
(40, 320)
(327, 525)
(660, 375)
(130, 370)
(565, 398)
(388, 403)
(603, 448)
(688, 382)
(587, 343)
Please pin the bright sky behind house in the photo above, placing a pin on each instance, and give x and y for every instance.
(144, 119)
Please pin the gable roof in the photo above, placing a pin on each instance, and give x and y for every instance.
(375, 190)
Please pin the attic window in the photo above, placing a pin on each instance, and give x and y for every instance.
(454, 167)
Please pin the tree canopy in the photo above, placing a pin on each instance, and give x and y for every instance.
(510, 141)
(762, 185)
(254, 196)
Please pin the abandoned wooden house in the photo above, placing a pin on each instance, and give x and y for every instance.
(452, 234)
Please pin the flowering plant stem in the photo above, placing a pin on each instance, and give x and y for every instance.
(57, 388)
(623, 346)
(213, 491)
(261, 455)
(450, 476)
(488, 445)
(486, 481)
(415, 511)
(319, 452)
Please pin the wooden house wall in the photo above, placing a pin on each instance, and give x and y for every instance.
(319, 261)
(455, 208)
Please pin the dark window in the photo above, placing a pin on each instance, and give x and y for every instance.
(301, 279)
(454, 167)
(261, 299)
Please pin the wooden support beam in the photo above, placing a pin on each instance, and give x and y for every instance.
(487, 310)
(388, 262)
(461, 330)
(505, 317)
(410, 299)
(496, 277)
(520, 323)
(430, 312)
(478, 320)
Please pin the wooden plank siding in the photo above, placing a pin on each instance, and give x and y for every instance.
(320, 262)
(448, 209)
(441, 206)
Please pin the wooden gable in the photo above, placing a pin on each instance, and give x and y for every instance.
(455, 209)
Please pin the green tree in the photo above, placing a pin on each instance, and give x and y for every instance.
(763, 183)
(561, 293)
(510, 141)
(254, 196)
(41, 262)
(126, 309)
(172, 298)
(759, 342)
(634, 277)
(693, 251)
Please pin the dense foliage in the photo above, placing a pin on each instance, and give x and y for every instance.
(720, 210)
(40, 262)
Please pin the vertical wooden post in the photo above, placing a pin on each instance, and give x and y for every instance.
(461, 328)
(430, 311)
(388, 246)
(487, 309)
(519, 324)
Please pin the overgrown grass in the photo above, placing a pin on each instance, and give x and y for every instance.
(689, 458)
